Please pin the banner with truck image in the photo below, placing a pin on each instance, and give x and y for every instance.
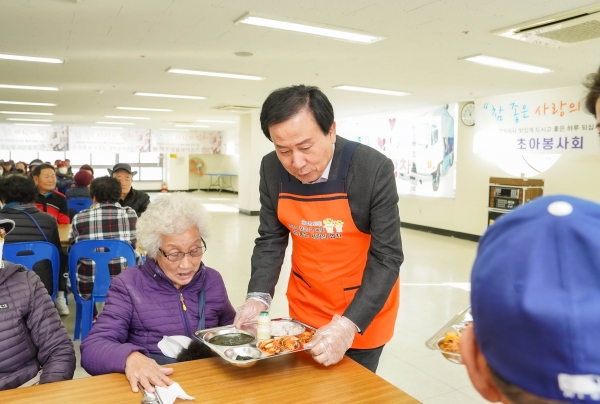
(420, 142)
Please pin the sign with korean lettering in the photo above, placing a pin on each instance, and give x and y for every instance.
(199, 142)
(109, 140)
(538, 122)
(34, 138)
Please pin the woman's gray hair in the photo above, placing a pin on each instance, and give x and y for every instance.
(171, 214)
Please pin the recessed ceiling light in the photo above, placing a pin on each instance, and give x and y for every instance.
(115, 123)
(145, 109)
(506, 64)
(24, 113)
(215, 74)
(106, 127)
(372, 90)
(193, 126)
(125, 117)
(191, 97)
(209, 120)
(244, 54)
(30, 59)
(28, 87)
(29, 120)
(175, 130)
(44, 104)
(308, 28)
(31, 124)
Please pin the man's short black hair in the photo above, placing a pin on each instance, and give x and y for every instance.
(38, 169)
(18, 188)
(106, 189)
(285, 103)
(593, 84)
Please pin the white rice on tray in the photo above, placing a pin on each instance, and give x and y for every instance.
(281, 328)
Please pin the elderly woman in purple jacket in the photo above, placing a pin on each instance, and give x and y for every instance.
(173, 293)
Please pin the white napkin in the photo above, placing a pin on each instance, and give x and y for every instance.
(171, 346)
(168, 395)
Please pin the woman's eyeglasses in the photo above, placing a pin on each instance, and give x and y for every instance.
(178, 256)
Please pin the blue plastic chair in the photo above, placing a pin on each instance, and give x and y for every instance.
(79, 204)
(87, 249)
(28, 253)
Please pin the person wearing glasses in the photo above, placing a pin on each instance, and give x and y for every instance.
(172, 293)
(108, 220)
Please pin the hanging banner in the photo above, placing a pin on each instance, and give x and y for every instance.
(189, 142)
(537, 122)
(34, 138)
(420, 142)
(109, 140)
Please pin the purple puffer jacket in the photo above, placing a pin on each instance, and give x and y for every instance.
(142, 306)
(31, 333)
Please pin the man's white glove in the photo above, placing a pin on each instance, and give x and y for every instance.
(330, 342)
(248, 312)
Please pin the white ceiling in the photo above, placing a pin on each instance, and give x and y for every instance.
(113, 48)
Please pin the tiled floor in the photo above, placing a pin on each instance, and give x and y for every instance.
(434, 279)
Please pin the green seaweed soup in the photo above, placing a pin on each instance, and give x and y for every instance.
(232, 339)
(243, 358)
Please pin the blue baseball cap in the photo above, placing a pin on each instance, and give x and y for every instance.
(535, 297)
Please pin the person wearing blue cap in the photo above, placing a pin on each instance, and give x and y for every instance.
(535, 296)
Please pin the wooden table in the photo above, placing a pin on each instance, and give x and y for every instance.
(63, 233)
(294, 378)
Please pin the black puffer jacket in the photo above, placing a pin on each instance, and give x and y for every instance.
(25, 230)
(31, 333)
(136, 200)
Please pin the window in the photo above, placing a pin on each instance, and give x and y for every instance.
(51, 156)
(151, 174)
(25, 156)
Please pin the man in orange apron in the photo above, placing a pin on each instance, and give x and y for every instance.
(338, 200)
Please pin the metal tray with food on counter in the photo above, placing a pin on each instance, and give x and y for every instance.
(447, 339)
(240, 347)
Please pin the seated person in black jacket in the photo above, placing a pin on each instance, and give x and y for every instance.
(18, 193)
(136, 200)
(82, 185)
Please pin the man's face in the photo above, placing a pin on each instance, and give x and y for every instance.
(125, 179)
(6, 166)
(302, 147)
(46, 182)
(21, 166)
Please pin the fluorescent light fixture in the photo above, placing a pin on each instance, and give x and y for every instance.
(190, 97)
(29, 120)
(145, 109)
(506, 64)
(215, 74)
(125, 117)
(193, 126)
(372, 90)
(32, 124)
(308, 28)
(28, 87)
(44, 104)
(209, 120)
(106, 127)
(24, 113)
(115, 123)
(30, 59)
(175, 130)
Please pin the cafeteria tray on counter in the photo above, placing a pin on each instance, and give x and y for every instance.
(229, 353)
(456, 325)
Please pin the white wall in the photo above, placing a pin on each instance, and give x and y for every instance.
(467, 213)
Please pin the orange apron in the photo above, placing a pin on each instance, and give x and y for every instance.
(329, 254)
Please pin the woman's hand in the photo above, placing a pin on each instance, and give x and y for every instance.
(140, 368)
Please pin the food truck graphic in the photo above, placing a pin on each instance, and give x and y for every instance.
(426, 148)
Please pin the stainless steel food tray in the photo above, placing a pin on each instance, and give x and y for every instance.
(229, 353)
(457, 324)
